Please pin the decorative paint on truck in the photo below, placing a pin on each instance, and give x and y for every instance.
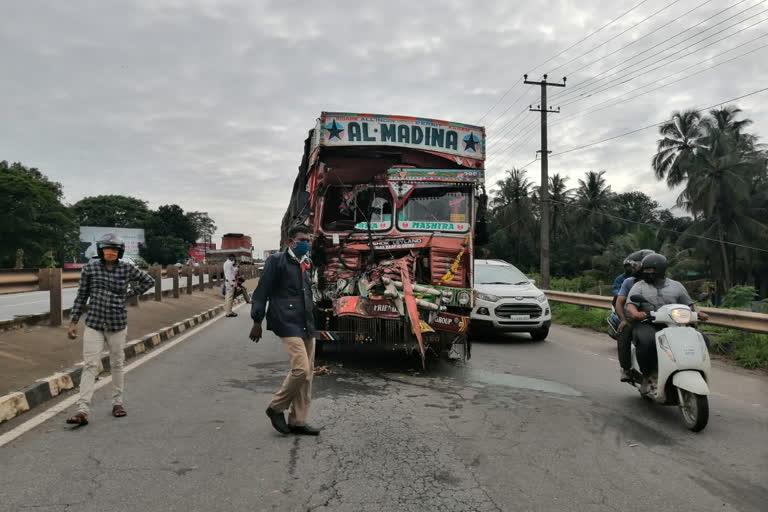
(346, 129)
(394, 204)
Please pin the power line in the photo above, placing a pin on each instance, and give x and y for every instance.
(498, 101)
(597, 77)
(595, 143)
(508, 126)
(519, 168)
(678, 57)
(559, 54)
(511, 142)
(656, 226)
(571, 73)
(611, 103)
(507, 110)
(589, 35)
(617, 35)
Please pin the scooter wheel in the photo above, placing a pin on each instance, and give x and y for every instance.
(695, 410)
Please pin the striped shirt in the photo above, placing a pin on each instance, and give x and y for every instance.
(107, 290)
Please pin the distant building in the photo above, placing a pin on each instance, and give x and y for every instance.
(232, 243)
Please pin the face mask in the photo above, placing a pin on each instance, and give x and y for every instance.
(110, 255)
(301, 248)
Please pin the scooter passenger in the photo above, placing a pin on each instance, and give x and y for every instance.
(624, 328)
(657, 290)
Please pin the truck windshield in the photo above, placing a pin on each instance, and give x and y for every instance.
(348, 208)
(436, 208)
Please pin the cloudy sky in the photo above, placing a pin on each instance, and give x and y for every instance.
(206, 103)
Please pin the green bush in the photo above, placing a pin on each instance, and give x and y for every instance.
(748, 349)
(739, 297)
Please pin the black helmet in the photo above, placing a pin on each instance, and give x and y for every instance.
(658, 262)
(110, 240)
(635, 260)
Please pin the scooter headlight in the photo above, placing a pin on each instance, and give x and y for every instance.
(681, 315)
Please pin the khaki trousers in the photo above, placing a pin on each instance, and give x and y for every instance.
(93, 344)
(229, 297)
(296, 391)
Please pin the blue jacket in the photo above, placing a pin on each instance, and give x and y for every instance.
(618, 282)
(288, 291)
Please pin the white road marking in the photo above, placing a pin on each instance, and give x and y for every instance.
(69, 402)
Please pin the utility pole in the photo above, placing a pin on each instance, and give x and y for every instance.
(544, 189)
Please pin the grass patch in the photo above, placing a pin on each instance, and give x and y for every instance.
(579, 316)
(747, 349)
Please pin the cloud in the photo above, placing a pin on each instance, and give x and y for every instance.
(207, 103)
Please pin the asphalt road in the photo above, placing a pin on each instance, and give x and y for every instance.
(34, 303)
(523, 426)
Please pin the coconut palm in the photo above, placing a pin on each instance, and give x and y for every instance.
(720, 191)
(513, 208)
(682, 139)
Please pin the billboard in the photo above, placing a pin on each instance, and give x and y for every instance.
(89, 235)
(350, 129)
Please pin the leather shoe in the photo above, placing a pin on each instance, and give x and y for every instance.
(278, 421)
(304, 430)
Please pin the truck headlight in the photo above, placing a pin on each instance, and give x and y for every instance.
(681, 315)
(483, 296)
(464, 298)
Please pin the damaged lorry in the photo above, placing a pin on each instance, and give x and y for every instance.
(394, 204)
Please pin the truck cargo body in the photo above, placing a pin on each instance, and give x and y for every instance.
(392, 203)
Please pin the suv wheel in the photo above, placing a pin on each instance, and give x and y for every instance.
(540, 334)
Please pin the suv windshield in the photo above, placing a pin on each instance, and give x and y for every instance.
(499, 274)
(436, 208)
(348, 208)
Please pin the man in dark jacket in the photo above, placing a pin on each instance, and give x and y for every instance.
(286, 284)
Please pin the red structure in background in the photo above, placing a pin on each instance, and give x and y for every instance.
(197, 252)
(235, 241)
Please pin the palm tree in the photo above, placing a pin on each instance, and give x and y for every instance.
(513, 207)
(720, 191)
(682, 139)
(595, 199)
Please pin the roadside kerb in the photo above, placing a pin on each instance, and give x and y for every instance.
(43, 390)
(735, 319)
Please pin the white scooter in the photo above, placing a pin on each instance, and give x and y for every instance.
(683, 364)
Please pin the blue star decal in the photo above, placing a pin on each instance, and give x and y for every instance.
(334, 130)
(470, 141)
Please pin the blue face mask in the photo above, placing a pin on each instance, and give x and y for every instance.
(301, 248)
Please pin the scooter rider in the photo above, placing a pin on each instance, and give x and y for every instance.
(658, 290)
(624, 339)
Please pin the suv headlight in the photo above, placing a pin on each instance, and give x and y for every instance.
(542, 298)
(487, 297)
(681, 315)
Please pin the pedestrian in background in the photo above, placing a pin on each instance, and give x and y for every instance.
(104, 285)
(230, 271)
(286, 284)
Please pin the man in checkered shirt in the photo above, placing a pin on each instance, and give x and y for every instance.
(105, 282)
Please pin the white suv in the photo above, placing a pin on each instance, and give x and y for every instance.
(507, 301)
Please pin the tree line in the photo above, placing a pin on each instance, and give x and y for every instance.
(721, 235)
(38, 230)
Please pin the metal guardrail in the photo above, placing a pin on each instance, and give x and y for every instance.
(33, 280)
(53, 281)
(735, 319)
